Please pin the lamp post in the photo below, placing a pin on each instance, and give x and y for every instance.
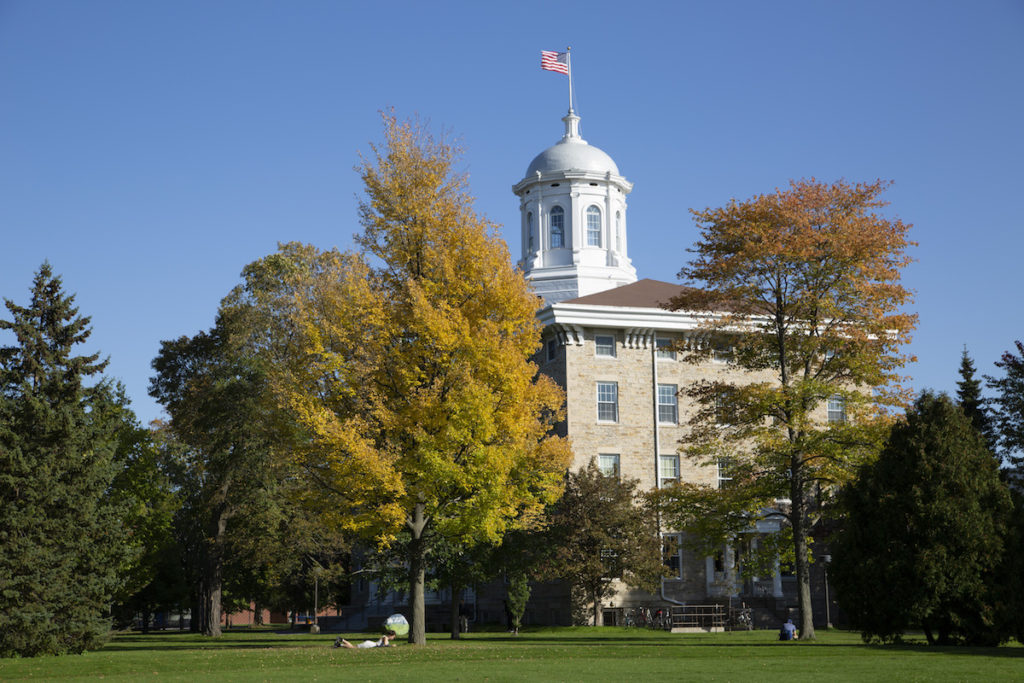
(315, 627)
(828, 616)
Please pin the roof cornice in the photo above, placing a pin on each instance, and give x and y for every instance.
(622, 317)
(608, 176)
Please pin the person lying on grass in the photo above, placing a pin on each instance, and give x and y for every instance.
(384, 641)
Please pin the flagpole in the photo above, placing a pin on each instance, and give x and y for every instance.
(568, 65)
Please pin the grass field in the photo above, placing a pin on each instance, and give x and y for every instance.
(564, 654)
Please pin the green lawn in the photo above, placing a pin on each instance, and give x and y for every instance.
(566, 654)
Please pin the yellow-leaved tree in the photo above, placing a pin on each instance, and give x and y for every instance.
(409, 378)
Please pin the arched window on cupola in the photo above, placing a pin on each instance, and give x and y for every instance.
(557, 227)
(593, 226)
(529, 231)
(618, 231)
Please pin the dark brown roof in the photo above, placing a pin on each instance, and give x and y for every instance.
(644, 293)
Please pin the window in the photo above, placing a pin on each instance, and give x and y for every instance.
(670, 551)
(724, 473)
(721, 410)
(618, 231)
(666, 350)
(605, 345)
(593, 226)
(557, 227)
(612, 566)
(529, 231)
(608, 463)
(721, 354)
(552, 348)
(608, 401)
(667, 404)
(669, 465)
(836, 409)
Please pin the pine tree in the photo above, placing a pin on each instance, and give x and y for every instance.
(60, 532)
(1009, 406)
(924, 533)
(968, 396)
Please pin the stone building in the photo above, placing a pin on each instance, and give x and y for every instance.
(611, 343)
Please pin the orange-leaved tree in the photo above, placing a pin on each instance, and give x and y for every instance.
(802, 293)
(412, 385)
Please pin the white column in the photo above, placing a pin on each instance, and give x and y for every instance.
(729, 562)
(575, 227)
(776, 579)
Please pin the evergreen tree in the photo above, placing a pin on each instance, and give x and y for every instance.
(62, 540)
(968, 395)
(1009, 405)
(923, 541)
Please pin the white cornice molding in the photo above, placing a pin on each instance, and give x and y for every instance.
(622, 317)
(608, 177)
(693, 324)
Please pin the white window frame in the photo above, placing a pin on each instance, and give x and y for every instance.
(609, 352)
(611, 399)
(836, 409)
(593, 218)
(609, 464)
(560, 231)
(673, 463)
(722, 475)
(668, 404)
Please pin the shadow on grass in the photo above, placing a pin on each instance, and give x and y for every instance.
(1002, 651)
(269, 640)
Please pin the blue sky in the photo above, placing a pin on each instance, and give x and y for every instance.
(149, 150)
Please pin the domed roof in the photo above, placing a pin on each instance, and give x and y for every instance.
(572, 153)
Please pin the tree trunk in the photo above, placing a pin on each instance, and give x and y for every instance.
(456, 611)
(417, 575)
(213, 578)
(798, 518)
(596, 595)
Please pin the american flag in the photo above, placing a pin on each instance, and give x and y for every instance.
(555, 61)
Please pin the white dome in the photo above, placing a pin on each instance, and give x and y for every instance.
(572, 154)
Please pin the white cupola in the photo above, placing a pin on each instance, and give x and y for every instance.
(573, 206)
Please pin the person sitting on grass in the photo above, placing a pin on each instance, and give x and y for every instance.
(384, 641)
(788, 631)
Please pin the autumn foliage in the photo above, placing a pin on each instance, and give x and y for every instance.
(411, 378)
(800, 290)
